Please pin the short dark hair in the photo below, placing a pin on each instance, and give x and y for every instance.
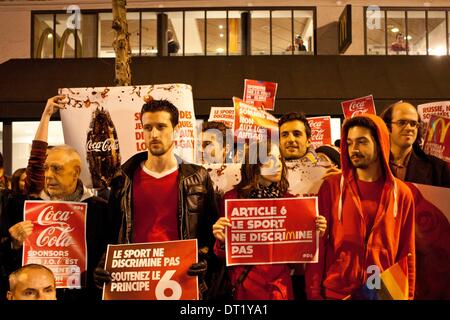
(161, 105)
(15, 181)
(386, 115)
(361, 122)
(207, 125)
(293, 116)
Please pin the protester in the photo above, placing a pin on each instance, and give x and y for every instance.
(159, 197)
(370, 215)
(18, 181)
(32, 282)
(214, 144)
(57, 172)
(329, 155)
(408, 161)
(4, 181)
(259, 180)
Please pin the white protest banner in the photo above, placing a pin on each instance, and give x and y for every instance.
(104, 125)
(224, 115)
(441, 108)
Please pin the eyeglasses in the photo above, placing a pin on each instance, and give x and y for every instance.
(403, 123)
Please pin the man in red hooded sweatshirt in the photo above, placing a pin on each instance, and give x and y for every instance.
(370, 215)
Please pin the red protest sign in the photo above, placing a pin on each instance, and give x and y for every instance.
(320, 130)
(58, 240)
(426, 110)
(151, 271)
(271, 231)
(437, 138)
(260, 93)
(355, 107)
(252, 123)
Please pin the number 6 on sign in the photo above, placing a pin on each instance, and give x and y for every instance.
(167, 283)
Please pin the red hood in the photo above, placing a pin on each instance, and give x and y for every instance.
(383, 136)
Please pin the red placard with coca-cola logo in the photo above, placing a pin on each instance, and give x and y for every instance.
(266, 231)
(320, 130)
(358, 106)
(58, 240)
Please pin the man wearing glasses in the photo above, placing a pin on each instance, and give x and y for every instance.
(408, 161)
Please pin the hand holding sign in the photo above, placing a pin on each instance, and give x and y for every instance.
(219, 228)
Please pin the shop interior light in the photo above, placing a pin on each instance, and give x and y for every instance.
(220, 50)
(395, 30)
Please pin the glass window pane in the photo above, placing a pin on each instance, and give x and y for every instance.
(376, 39)
(234, 32)
(281, 32)
(417, 32)
(87, 35)
(396, 33)
(303, 27)
(105, 36)
(133, 30)
(216, 33)
(195, 33)
(149, 46)
(43, 36)
(260, 25)
(437, 43)
(23, 135)
(175, 24)
(65, 37)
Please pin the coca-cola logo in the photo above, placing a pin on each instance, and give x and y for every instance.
(58, 231)
(315, 125)
(317, 134)
(357, 105)
(359, 112)
(102, 146)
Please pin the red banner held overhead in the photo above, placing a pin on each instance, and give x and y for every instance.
(252, 123)
(271, 231)
(358, 106)
(58, 240)
(151, 271)
(260, 93)
(320, 130)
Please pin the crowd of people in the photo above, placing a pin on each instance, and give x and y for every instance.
(366, 211)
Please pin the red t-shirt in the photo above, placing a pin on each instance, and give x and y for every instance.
(370, 195)
(155, 205)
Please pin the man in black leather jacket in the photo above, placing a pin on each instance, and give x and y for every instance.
(160, 198)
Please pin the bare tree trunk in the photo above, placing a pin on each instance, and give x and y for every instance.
(121, 43)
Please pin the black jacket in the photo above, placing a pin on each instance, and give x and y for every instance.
(197, 210)
(426, 169)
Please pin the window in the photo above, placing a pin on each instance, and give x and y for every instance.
(304, 27)
(43, 36)
(175, 24)
(23, 135)
(260, 26)
(133, 20)
(375, 30)
(411, 31)
(105, 36)
(148, 34)
(417, 33)
(194, 40)
(234, 32)
(216, 37)
(192, 31)
(282, 32)
(396, 31)
(437, 42)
